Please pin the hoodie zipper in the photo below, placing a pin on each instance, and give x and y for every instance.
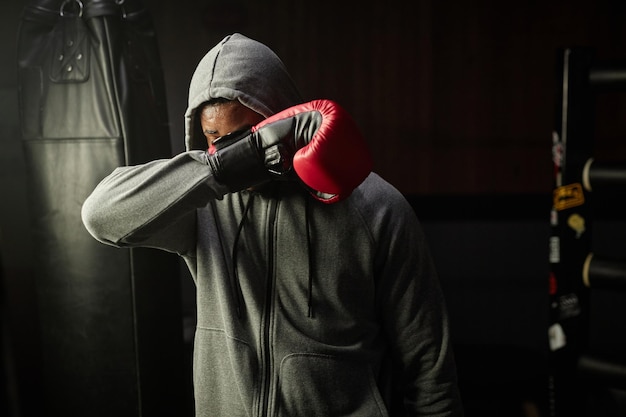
(266, 345)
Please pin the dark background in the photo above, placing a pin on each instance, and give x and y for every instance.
(456, 100)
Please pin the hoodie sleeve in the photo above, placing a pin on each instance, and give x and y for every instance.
(153, 204)
(414, 314)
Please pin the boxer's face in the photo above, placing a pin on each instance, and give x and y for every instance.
(219, 119)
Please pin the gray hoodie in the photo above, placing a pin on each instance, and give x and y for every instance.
(303, 308)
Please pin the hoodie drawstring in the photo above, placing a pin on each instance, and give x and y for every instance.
(235, 284)
(310, 255)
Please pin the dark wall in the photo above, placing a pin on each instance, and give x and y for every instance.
(454, 96)
(456, 99)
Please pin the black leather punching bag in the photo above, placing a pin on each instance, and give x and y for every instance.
(92, 98)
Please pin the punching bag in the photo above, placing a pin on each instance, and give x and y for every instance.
(92, 97)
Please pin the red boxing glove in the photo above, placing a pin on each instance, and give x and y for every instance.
(335, 159)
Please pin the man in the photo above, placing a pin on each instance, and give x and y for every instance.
(316, 293)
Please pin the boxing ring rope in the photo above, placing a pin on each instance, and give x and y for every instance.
(576, 271)
(604, 175)
(599, 273)
(598, 370)
(608, 77)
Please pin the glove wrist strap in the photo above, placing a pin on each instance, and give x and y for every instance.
(238, 165)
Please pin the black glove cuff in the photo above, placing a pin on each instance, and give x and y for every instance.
(237, 162)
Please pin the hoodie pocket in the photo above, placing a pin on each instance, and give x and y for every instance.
(321, 385)
(224, 374)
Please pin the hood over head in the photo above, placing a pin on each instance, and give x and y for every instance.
(239, 68)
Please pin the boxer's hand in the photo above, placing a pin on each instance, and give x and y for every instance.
(318, 139)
